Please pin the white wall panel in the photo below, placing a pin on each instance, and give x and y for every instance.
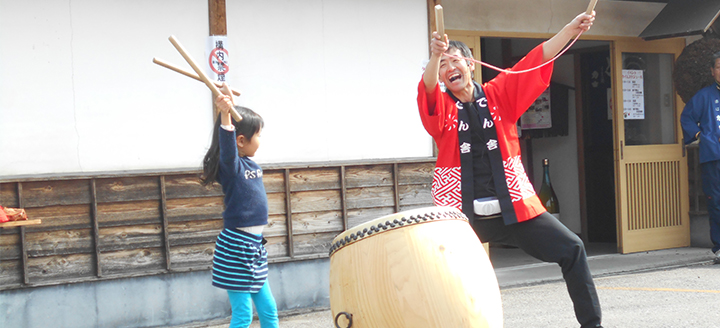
(334, 80)
(79, 91)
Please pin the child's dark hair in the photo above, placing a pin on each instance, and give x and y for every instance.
(250, 124)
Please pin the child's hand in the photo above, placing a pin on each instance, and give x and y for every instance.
(226, 90)
(224, 104)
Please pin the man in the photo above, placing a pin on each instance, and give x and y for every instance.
(700, 120)
(479, 156)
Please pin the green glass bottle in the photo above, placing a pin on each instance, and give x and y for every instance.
(547, 194)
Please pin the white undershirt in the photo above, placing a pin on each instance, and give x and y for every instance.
(256, 230)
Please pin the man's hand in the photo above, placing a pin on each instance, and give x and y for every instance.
(438, 45)
(581, 23)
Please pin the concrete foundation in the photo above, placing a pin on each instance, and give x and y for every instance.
(156, 301)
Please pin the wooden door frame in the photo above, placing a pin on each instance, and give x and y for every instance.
(619, 146)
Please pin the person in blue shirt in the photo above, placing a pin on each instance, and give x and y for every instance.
(700, 120)
(240, 258)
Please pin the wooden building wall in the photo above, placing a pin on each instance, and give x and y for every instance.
(109, 226)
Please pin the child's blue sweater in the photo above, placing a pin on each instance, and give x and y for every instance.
(241, 179)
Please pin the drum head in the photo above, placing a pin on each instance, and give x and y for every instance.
(394, 221)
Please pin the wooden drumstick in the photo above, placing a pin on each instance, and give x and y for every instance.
(188, 74)
(216, 92)
(591, 7)
(439, 24)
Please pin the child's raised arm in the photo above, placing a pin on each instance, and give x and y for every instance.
(225, 104)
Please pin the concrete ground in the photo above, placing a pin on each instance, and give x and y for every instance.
(679, 297)
(516, 271)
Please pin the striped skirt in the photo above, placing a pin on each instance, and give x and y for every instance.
(239, 262)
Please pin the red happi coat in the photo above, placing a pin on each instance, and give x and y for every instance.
(508, 97)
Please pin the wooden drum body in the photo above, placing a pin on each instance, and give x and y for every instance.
(423, 268)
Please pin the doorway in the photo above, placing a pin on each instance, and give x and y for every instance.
(595, 145)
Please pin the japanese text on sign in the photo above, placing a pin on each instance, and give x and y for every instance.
(633, 94)
(218, 57)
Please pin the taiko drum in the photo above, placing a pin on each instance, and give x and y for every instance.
(418, 268)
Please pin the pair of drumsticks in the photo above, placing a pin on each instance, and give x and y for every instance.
(200, 76)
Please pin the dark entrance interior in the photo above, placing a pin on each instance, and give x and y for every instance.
(597, 149)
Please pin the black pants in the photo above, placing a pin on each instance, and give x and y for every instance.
(547, 239)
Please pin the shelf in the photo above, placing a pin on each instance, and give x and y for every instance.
(12, 224)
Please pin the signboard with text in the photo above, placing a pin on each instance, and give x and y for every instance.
(217, 58)
(633, 94)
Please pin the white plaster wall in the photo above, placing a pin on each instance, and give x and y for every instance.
(79, 91)
(334, 80)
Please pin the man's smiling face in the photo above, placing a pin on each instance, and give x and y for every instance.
(455, 73)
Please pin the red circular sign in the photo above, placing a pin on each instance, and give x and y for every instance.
(219, 61)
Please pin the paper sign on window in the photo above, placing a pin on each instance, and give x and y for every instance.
(633, 94)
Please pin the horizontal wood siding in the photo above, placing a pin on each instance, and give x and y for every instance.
(133, 224)
(8, 194)
(60, 268)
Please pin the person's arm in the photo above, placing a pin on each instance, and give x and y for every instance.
(689, 119)
(438, 47)
(228, 162)
(225, 103)
(431, 109)
(581, 23)
(429, 98)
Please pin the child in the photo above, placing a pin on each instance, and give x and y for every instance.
(240, 260)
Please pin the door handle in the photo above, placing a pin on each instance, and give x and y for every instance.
(621, 150)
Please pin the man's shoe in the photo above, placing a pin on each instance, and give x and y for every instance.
(717, 257)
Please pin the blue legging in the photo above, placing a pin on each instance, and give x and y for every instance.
(241, 304)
